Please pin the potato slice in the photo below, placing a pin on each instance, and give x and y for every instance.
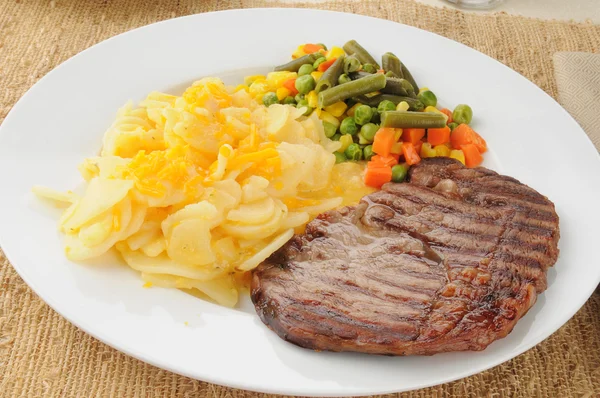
(189, 243)
(253, 213)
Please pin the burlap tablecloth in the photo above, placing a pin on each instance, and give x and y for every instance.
(41, 354)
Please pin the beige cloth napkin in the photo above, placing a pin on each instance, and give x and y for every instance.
(578, 81)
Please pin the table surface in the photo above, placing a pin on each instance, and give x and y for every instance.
(575, 10)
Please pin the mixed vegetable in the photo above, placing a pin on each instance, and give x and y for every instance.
(378, 113)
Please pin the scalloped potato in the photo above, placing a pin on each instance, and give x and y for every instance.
(196, 190)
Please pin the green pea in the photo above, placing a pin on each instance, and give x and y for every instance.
(344, 78)
(270, 99)
(368, 131)
(428, 98)
(330, 129)
(389, 73)
(452, 126)
(289, 100)
(304, 104)
(299, 97)
(386, 105)
(318, 62)
(399, 172)
(336, 137)
(363, 114)
(376, 116)
(305, 69)
(369, 68)
(368, 152)
(362, 141)
(348, 126)
(339, 157)
(353, 152)
(462, 114)
(305, 84)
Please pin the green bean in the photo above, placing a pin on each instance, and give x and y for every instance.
(353, 48)
(399, 172)
(351, 89)
(428, 98)
(353, 152)
(330, 77)
(319, 61)
(452, 126)
(322, 45)
(336, 137)
(295, 64)
(351, 64)
(348, 126)
(368, 152)
(330, 129)
(369, 68)
(305, 69)
(462, 114)
(289, 100)
(406, 119)
(385, 106)
(414, 104)
(376, 118)
(395, 86)
(340, 157)
(391, 63)
(363, 114)
(344, 78)
(359, 75)
(270, 99)
(391, 74)
(368, 131)
(305, 84)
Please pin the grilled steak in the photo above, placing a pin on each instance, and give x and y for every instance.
(448, 262)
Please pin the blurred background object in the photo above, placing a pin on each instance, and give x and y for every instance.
(480, 4)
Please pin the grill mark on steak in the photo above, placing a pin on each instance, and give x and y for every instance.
(413, 270)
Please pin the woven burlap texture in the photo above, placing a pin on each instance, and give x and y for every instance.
(43, 355)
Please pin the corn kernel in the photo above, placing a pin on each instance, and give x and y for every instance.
(427, 151)
(276, 79)
(248, 80)
(312, 99)
(396, 148)
(241, 87)
(442, 150)
(423, 89)
(458, 155)
(337, 109)
(402, 106)
(335, 52)
(345, 140)
(436, 110)
(329, 118)
(351, 110)
(397, 134)
(282, 92)
(316, 75)
(299, 52)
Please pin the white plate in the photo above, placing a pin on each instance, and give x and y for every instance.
(62, 118)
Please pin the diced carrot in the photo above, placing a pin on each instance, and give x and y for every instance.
(376, 176)
(438, 136)
(448, 113)
(290, 84)
(311, 48)
(480, 143)
(383, 141)
(325, 65)
(418, 145)
(412, 135)
(410, 154)
(472, 156)
(462, 135)
(380, 71)
(388, 161)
